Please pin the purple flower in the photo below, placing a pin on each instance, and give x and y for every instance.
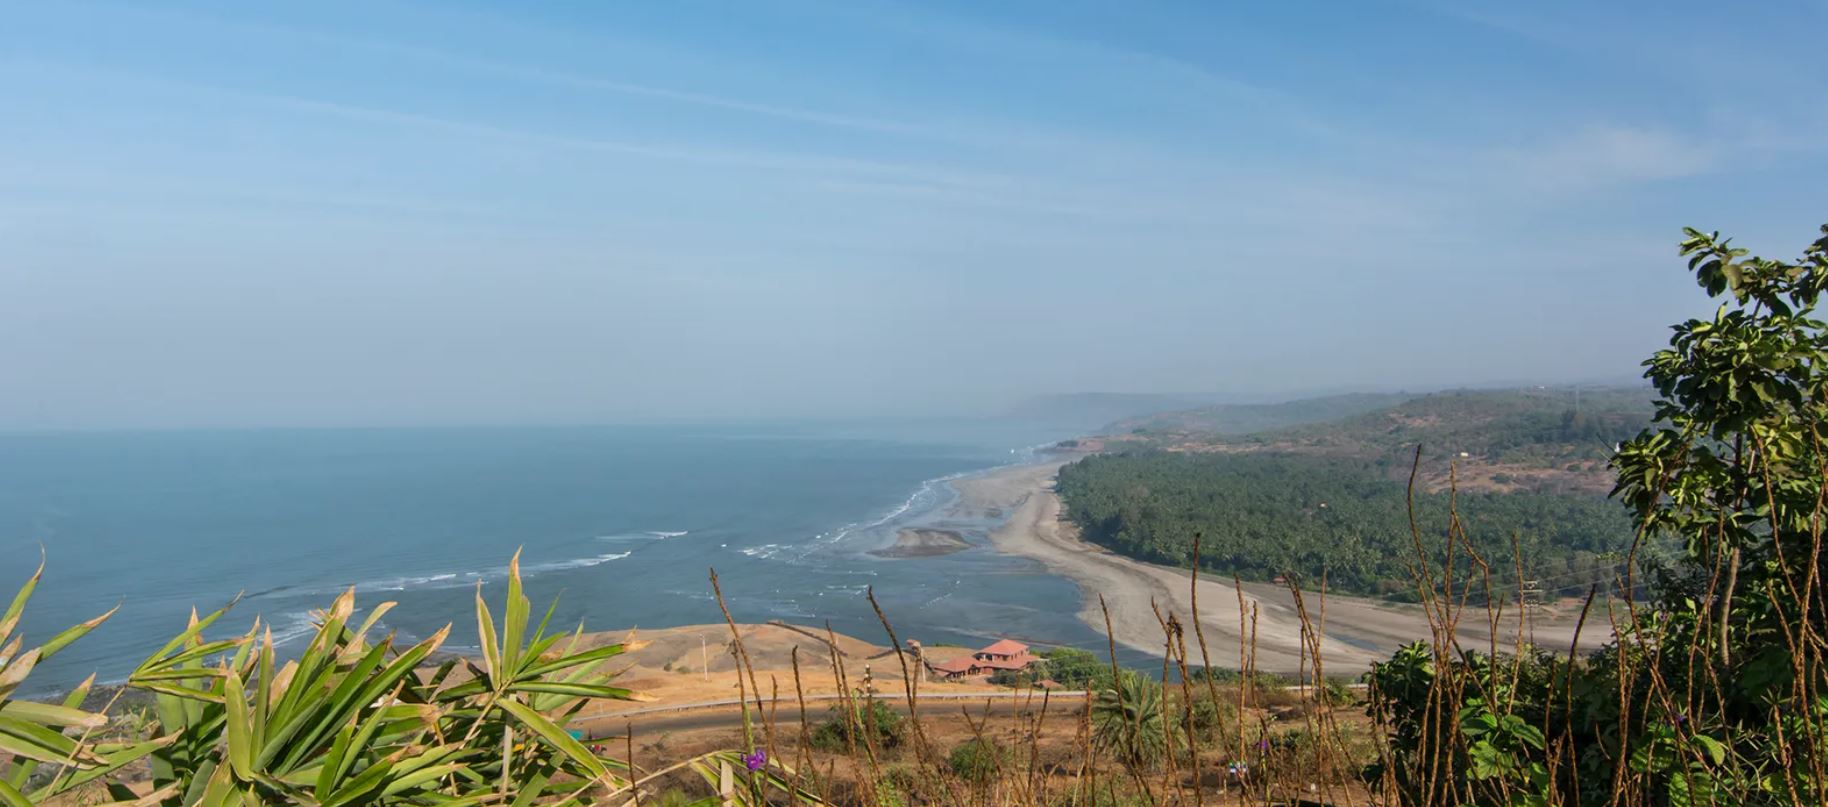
(755, 761)
(1681, 718)
(1263, 745)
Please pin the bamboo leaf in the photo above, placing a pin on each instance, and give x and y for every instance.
(373, 617)
(32, 741)
(195, 628)
(419, 778)
(13, 798)
(15, 671)
(556, 737)
(46, 714)
(485, 629)
(586, 657)
(513, 620)
(63, 639)
(576, 690)
(240, 745)
(183, 694)
(110, 762)
(17, 607)
(191, 655)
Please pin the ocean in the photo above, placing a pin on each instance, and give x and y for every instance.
(621, 524)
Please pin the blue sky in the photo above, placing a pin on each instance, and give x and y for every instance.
(387, 213)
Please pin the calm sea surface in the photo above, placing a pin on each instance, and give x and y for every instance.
(622, 524)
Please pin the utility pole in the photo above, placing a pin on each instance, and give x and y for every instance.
(704, 657)
(1530, 591)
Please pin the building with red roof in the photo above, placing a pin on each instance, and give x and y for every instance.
(1000, 655)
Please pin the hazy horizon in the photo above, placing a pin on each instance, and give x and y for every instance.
(216, 215)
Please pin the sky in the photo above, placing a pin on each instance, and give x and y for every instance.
(384, 213)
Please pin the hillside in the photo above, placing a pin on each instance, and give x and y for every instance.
(1315, 495)
(1539, 439)
(1092, 410)
(1239, 419)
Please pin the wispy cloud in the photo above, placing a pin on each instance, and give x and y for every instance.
(710, 155)
(946, 130)
(1600, 156)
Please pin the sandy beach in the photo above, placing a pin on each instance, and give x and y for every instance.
(1354, 631)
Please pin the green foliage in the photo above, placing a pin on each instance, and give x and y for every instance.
(58, 735)
(868, 721)
(977, 761)
(1262, 515)
(1129, 720)
(1073, 668)
(1212, 720)
(1717, 694)
(352, 720)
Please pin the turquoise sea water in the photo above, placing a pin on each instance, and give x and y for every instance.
(622, 523)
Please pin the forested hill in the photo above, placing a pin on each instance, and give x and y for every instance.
(1538, 439)
(1331, 497)
(1239, 419)
(1534, 425)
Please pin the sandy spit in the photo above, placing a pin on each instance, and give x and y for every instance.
(1353, 631)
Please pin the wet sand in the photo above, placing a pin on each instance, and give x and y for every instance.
(924, 543)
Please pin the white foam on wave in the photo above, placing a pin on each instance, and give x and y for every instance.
(292, 627)
(644, 535)
(574, 563)
(406, 582)
(463, 579)
(926, 493)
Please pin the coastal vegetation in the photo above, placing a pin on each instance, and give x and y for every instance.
(1714, 690)
(1339, 519)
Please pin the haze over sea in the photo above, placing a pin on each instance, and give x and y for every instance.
(621, 522)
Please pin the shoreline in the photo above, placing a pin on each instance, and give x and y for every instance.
(1354, 631)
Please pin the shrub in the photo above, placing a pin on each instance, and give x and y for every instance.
(1210, 719)
(1076, 669)
(976, 760)
(880, 726)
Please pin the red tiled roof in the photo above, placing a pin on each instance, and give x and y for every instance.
(962, 664)
(1005, 647)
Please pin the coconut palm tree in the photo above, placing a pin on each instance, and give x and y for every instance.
(1128, 720)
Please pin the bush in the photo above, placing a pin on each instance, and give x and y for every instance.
(1076, 669)
(1335, 693)
(976, 761)
(1211, 719)
(880, 725)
